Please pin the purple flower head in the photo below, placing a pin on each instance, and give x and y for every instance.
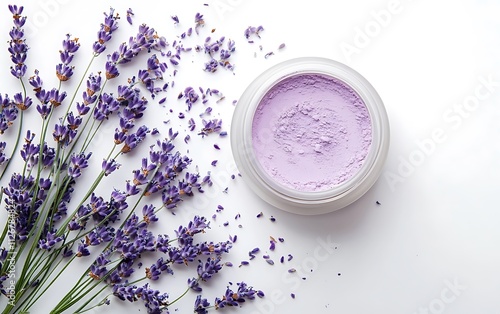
(134, 139)
(70, 46)
(82, 108)
(77, 163)
(22, 103)
(111, 70)
(49, 241)
(201, 305)
(82, 249)
(56, 98)
(238, 297)
(8, 113)
(207, 269)
(148, 214)
(157, 269)
(60, 133)
(17, 46)
(106, 106)
(93, 85)
(109, 166)
(171, 197)
(64, 72)
(36, 82)
(16, 11)
(104, 34)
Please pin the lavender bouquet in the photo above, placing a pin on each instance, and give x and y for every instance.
(48, 228)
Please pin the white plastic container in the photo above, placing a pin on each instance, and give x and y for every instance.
(308, 202)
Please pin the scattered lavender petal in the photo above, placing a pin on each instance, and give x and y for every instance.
(216, 147)
(214, 163)
(233, 239)
(129, 16)
(270, 261)
(191, 124)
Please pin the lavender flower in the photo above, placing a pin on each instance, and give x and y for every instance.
(207, 269)
(104, 34)
(22, 103)
(154, 300)
(17, 45)
(8, 113)
(49, 241)
(157, 269)
(78, 162)
(236, 298)
(19, 199)
(70, 46)
(109, 166)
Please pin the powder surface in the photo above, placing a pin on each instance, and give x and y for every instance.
(311, 132)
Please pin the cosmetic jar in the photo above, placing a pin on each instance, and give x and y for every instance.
(310, 135)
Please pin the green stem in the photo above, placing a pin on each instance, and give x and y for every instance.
(179, 297)
(79, 310)
(28, 306)
(78, 87)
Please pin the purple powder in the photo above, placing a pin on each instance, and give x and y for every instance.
(311, 132)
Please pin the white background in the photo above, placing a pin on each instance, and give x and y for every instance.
(433, 243)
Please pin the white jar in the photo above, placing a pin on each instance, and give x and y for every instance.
(297, 200)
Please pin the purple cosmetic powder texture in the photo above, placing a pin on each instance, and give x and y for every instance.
(311, 132)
